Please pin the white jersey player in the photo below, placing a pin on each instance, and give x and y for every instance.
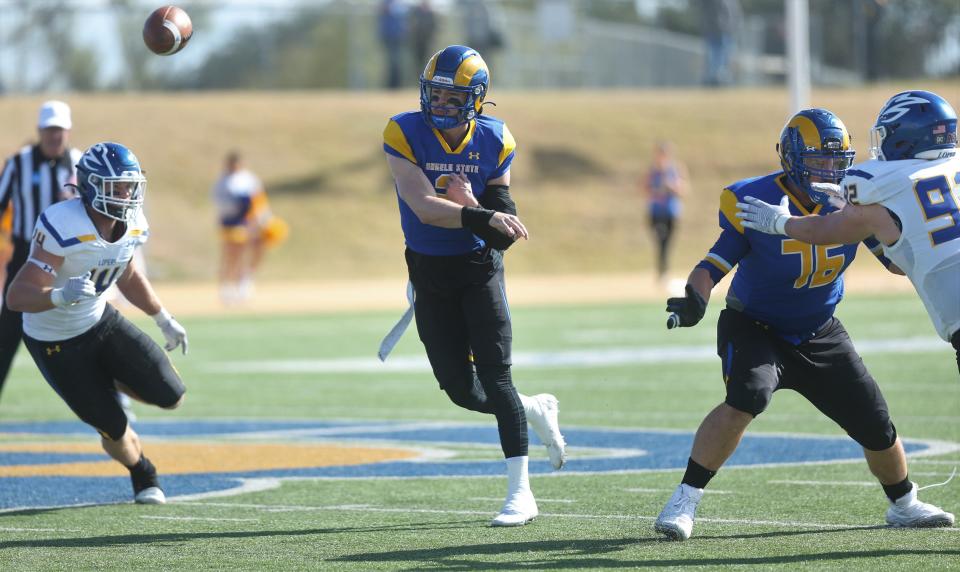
(907, 197)
(84, 348)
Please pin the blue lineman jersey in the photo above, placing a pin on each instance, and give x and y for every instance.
(485, 153)
(791, 286)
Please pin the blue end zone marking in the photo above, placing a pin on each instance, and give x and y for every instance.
(651, 450)
(11, 458)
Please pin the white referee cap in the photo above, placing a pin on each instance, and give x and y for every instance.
(54, 114)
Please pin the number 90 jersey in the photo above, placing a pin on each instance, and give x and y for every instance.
(65, 229)
(925, 196)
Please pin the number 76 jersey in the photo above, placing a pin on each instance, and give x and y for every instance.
(65, 229)
(925, 196)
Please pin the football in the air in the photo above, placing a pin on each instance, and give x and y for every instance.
(167, 30)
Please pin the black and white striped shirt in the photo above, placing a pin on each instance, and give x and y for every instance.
(33, 183)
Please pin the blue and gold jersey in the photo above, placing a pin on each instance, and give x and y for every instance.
(791, 286)
(485, 153)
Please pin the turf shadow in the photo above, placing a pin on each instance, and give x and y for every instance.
(579, 554)
(164, 538)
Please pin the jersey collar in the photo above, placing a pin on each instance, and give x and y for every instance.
(793, 199)
(463, 144)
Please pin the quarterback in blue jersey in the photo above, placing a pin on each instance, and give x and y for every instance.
(451, 165)
(778, 329)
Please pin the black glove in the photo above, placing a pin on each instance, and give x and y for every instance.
(686, 311)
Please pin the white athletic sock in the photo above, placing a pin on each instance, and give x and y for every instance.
(518, 480)
(526, 401)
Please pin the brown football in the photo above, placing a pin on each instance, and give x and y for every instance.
(167, 30)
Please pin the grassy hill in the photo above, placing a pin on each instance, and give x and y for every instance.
(580, 154)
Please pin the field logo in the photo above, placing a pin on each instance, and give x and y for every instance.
(46, 465)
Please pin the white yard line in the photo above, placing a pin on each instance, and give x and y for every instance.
(539, 500)
(12, 529)
(573, 358)
(201, 518)
(830, 483)
(620, 517)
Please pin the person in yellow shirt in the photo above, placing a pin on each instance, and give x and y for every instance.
(248, 228)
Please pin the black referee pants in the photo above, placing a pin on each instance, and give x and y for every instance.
(464, 324)
(11, 323)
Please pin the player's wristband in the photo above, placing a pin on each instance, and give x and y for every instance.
(475, 218)
(162, 317)
(780, 225)
(56, 297)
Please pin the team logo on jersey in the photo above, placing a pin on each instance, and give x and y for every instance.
(899, 106)
(473, 155)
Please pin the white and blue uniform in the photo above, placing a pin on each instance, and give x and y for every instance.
(925, 196)
(65, 229)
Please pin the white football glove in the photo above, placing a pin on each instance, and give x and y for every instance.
(76, 290)
(175, 334)
(758, 215)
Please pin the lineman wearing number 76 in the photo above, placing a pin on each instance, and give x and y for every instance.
(907, 197)
(84, 348)
(778, 330)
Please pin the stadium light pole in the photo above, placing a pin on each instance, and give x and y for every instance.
(798, 53)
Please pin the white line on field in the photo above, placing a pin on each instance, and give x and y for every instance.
(201, 518)
(539, 500)
(11, 529)
(372, 509)
(831, 483)
(933, 462)
(642, 490)
(593, 357)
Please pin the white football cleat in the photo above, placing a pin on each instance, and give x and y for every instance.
(518, 510)
(150, 495)
(542, 413)
(676, 518)
(908, 511)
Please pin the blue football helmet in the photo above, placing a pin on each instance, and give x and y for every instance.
(914, 125)
(815, 144)
(110, 180)
(459, 69)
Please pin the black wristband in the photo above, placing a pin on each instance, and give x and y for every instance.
(475, 218)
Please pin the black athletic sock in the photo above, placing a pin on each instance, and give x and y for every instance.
(143, 475)
(696, 475)
(898, 490)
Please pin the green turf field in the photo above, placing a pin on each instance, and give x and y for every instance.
(814, 516)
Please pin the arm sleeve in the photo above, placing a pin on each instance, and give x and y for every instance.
(497, 198)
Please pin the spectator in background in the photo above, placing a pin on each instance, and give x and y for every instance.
(32, 179)
(423, 28)
(721, 21)
(664, 185)
(393, 33)
(480, 30)
(248, 228)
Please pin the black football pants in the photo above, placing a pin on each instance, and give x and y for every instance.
(464, 324)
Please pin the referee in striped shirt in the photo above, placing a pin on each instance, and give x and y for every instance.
(33, 178)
